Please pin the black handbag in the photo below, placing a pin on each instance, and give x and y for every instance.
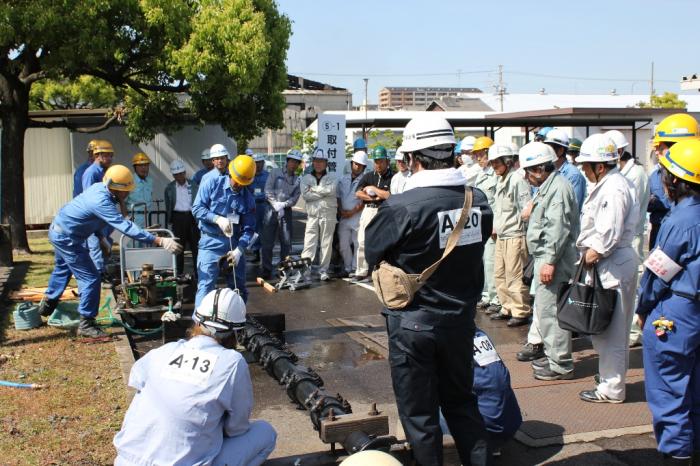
(586, 309)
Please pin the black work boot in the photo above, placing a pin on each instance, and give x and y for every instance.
(530, 352)
(47, 306)
(88, 328)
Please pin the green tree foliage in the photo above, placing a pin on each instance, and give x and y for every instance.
(158, 61)
(305, 141)
(387, 138)
(667, 100)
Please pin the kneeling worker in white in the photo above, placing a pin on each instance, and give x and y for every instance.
(194, 397)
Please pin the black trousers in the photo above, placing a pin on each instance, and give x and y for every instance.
(185, 229)
(431, 369)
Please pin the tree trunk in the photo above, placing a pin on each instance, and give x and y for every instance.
(15, 116)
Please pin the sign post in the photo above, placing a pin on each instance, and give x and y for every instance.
(331, 139)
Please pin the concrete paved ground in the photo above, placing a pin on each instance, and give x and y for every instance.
(362, 377)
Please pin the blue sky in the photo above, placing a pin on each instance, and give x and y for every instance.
(602, 44)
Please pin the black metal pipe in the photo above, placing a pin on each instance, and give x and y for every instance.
(303, 385)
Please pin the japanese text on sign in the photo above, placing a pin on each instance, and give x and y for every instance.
(331, 139)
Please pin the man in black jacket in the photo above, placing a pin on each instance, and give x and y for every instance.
(430, 340)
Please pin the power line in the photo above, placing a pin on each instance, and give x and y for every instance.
(581, 78)
(393, 75)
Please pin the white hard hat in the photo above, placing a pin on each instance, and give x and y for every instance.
(398, 155)
(258, 157)
(598, 148)
(249, 152)
(218, 150)
(468, 143)
(205, 154)
(618, 138)
(536, 153)
(360, 157)
(176, 166)
(294, 154)
(221, 310)
(558, 137)
(429, 131)
(497, 151)
(370, 458)
(319, 154)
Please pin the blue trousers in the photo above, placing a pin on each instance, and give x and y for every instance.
(672, 376)
(274, 227)
(261, 208)
(73, 259)
(211, 248)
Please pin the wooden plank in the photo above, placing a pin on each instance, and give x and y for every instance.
(338, 429)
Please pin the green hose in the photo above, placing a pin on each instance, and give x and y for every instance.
(110, 321)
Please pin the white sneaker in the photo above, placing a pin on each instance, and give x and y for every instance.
(324, 277)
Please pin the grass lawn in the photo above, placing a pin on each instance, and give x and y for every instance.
(73, 420)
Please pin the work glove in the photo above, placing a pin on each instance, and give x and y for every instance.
(170, 245)
(170, 316)
(225, 225)
(371, 192)
(233, 257)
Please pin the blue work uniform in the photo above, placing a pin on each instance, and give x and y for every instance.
(285, 188)
(257, 187)
(215, 198)
(142, 194)
(200, 173)
(577, 180)
(86, 215)
(78, 178)
(192, 407)
(498, 405)
(658, 206)
(672, 361)
(95, 174)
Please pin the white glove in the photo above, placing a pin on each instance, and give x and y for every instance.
(170, 245)
(170, 316)
(371, 192)
(225, 225)
(234, 256)
(279, 207)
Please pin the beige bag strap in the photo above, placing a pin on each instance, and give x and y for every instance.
(453, 238)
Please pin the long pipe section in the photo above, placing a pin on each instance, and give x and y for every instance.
(303, 385)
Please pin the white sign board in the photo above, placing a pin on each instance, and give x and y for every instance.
(331, 139)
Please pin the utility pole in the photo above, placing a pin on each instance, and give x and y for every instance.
(364, 125)
(459, 78)
(501, 90)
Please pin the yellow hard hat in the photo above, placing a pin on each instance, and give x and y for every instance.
(481, 143)
(91, 145)
(676, 128)
(683, 160)
(102, 145)
(140, 159)
(119, 178)
(242, 169)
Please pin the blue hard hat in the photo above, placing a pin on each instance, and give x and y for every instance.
(359, 144)
(543, 132)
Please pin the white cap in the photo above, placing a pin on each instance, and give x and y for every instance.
(249, 152)
(497, 151)
(221, 310)
(176, 166)
(536, 153)
(258, 157)
(370, 458)
(598, 148)
(205, 154)
(429, 133)
(218, 150)
(294, 154)
(557, 136)
(360, 157)
(318, 154)
(618, 138)
(468, 143)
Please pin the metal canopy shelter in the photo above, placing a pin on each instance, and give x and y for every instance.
(634, 118)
